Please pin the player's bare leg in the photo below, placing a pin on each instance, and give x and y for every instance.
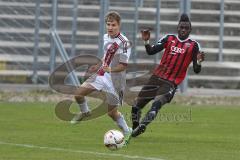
(80, 99)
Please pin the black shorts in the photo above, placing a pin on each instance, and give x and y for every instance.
(157, 86)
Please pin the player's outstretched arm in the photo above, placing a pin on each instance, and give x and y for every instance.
(198, 59)
(151, 50)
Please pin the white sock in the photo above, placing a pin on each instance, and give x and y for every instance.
(122, 124)
(84, 107)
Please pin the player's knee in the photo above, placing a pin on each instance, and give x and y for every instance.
(114, 114)
(163, 99)
(140, 102)
(111, 115)
(79, 98)
(170, 95)
(169, 98)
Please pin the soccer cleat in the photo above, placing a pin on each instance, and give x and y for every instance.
(79, 117)
(139, 130)
(127, 136)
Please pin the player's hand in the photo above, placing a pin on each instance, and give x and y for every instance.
(93, 68)
(145, 34)
(106, 69)
(200, 56)
(90, 71)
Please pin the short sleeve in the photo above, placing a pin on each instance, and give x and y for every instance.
(125, 55)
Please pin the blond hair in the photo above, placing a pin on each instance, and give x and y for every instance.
(113, 15)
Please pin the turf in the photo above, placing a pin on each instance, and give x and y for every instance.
(32, 131)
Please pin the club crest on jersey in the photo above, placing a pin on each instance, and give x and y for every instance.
(175, 50)
(187, 45)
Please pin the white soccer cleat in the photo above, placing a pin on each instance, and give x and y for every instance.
(79, 117)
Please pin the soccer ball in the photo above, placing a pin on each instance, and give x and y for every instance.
(113, 139)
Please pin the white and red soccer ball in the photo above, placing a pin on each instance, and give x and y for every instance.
(114, 139)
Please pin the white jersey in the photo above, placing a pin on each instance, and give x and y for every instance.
(116, 51)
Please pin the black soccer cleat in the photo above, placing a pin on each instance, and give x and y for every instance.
(139, 130)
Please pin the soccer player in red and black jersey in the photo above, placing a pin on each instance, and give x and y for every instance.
(179, 52)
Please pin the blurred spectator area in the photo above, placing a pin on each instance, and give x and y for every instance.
(17, 24)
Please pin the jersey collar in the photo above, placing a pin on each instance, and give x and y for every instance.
(115, 36)
(182, 40)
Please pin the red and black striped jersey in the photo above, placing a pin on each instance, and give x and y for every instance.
(177, 56)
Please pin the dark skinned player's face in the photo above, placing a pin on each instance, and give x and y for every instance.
(184, 30)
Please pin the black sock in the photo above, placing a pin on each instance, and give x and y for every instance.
(152, 113)
(136, 114)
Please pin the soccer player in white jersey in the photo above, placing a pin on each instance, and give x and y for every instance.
(111, 76)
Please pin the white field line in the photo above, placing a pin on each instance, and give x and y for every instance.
(80, 151)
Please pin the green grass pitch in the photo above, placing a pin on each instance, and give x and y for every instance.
(32, 131)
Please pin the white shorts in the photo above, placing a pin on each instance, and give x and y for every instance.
(104, 83)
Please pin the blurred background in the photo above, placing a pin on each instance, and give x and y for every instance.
(37, 36)
(29, 31)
